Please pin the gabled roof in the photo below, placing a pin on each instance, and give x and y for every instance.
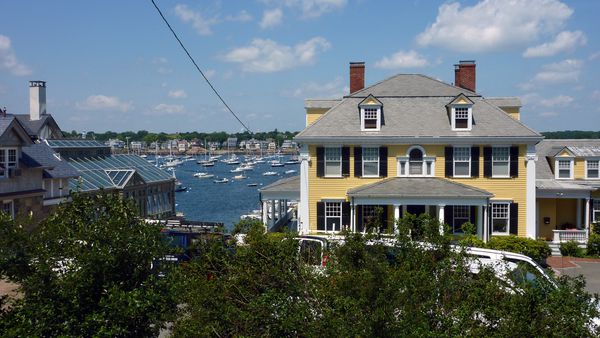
(33, 127)
(370, 100)
(415, 107)
(10, 123)
(460, 99)
(44, 156)
(547, 149)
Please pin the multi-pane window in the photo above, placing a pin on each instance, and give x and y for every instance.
(596, 211)
(371, 117)
(462, 161)
(333, 216)
(370, 161)
(8, 208)
(461, 215)
(461, 118)
(500, 218)
(564, 168)
(415, 162)
(592, 168)
(8, 159)
(500, 162)
(333, 161)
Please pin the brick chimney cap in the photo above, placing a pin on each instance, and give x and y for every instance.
(466, 62)
(357, 64)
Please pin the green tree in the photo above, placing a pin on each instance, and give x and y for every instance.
(90, 269)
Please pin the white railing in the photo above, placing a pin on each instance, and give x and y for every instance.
(561, 236)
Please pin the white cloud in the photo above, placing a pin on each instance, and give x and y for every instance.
(201, 24)
(162, 63)
(242, 16)
(594, 56)
(560, 100)
(177, 94)
(169, 109)
(332, 89)
(103, 102)
(402, 59)
(561, 72)
(271, 18)
(310, 8)
(564, 42)
(209, 73)
(8, 59)
(492, 25)
(264, 55)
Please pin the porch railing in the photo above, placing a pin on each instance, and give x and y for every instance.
(561, 236)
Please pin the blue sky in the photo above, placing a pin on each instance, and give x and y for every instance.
(113, 65)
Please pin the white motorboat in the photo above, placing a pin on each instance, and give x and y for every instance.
(291, 171)
(221, 180)
(269, 173)
(203, 175)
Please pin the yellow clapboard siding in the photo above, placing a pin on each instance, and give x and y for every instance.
(313, 114)
(579, 167)
(513, 189)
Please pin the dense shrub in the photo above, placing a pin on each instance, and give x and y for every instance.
(593, 245)
(536, 249)
(571, 248)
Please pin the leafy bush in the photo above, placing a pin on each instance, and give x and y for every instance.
(593, 245)
(536, 249)
(571, 248)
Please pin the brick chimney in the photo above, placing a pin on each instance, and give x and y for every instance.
(357, 76)
(464, 75)
(37, 99)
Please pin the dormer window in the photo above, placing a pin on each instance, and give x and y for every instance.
(370, 114)
(461, 113)
(8, 160)
(564, 168)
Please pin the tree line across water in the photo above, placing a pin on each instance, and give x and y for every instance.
(93, 269)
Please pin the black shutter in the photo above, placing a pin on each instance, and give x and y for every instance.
(345, 215)
(487, 162)
(514, 218)
(449, 157)
(320, 215)
(320, 161)
(359, 218)
(383, 161)
(472, 217)
(475, 161)
(384, 218)
(449, 215)
(345, 161)
(357, 161)
(514, 161)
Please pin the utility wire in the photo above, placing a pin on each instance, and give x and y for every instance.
(198, 68)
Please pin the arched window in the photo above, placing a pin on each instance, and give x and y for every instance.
(415, 162)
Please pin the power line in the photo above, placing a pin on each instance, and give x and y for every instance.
(198, 68)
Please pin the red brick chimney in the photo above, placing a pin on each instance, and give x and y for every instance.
(464, 74)
(357, 76)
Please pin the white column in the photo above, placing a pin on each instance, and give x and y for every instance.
(396, 217)
(265, 212)
(303, 209)
(486, 226)
(441, 218)
(272, 223)
(352, 218)
(531, 229)
(587, 218)
(578, 214)
(480, 221)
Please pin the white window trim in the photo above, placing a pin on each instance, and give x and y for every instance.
(454, 162)
(594, 211)
(325, 217)
(362, 118)
(454, 218)
(12, 207)
(497, 233)
(571, 165)
(325, 162)
(469, 117)
(6, 166)
(363, 162)
(402, 161)
(586, 168)
(492, 160)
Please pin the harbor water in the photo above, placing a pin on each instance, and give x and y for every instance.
(207, 201)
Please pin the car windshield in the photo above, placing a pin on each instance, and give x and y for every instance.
(525, 273)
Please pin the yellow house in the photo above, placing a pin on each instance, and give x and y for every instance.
(414, 144)
(568, 188)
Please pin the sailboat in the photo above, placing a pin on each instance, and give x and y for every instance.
(178, 185)
(207, 162)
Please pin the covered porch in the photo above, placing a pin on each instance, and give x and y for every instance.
(279, 202)
(451, 203)
(564, 211)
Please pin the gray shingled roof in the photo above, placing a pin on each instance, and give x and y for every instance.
(32, 127)
(5, 121)
(552, 184)
(548, 148)
(504, 101)
(418, 187)
(289, 184)
(321, 103)
(54, 167)
(414, 106)
(411, 85)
